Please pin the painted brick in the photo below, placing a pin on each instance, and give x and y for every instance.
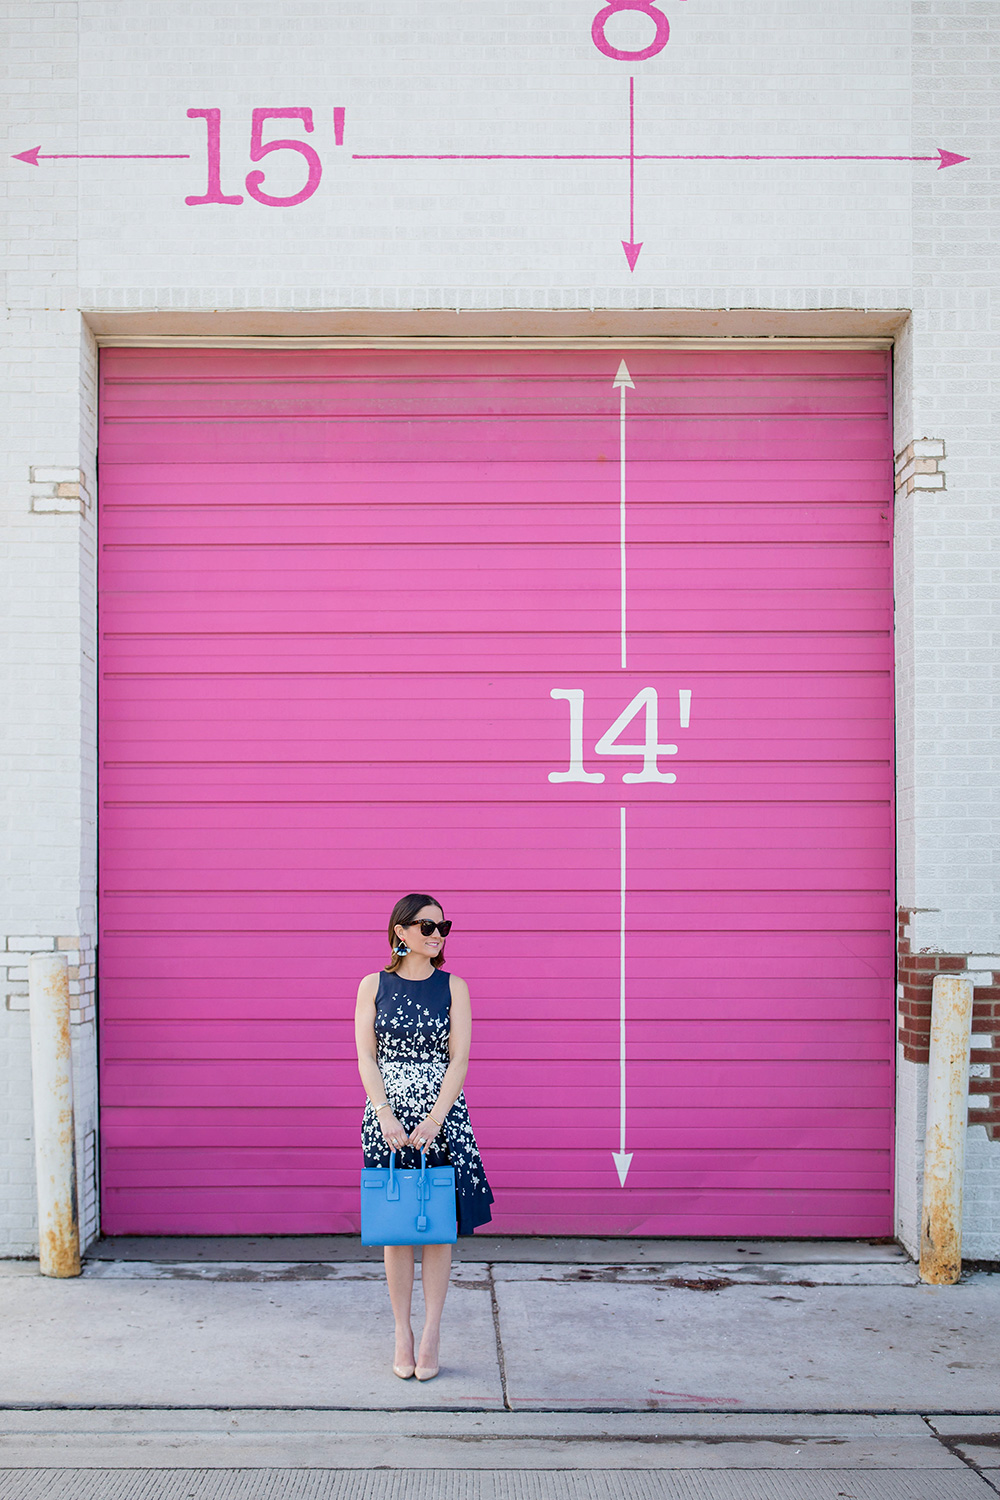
(42, 475)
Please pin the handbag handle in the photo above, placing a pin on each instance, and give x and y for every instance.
(423, 1192)
(394, 1154)
(423, 1187)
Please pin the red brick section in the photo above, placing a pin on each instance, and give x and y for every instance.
(984, 1093)
(916, 973)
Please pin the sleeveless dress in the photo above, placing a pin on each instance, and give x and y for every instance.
(412, 1027)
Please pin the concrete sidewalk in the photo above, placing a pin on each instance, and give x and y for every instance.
(811, 1371)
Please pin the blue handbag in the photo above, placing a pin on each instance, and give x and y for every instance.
(408, 1205)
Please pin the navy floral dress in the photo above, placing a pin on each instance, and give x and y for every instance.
(412, 1027)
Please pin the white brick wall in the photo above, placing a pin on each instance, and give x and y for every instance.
(947, 543)
(510, 76)
(523, 77)
(911, 1120)
(46, 595)
(981, 1219)
(955, 394)
(47, 738)
(18, 1218)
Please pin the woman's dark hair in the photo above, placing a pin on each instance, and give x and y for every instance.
(403, 914)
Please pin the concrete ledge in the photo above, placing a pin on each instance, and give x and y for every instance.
(498, 1249)
(698, 1277)
(557, 326)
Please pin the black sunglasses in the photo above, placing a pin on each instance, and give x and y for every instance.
(426, 928)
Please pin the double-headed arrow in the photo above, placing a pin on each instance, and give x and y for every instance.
(631, 246)
(623, 1159)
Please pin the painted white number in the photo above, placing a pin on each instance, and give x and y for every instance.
(574, 697)
(644, 701)
(649, 750)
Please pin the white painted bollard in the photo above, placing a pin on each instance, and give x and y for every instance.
(947, 1122)
(55, 1132)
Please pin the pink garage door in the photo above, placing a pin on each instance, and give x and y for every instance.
(382, 621)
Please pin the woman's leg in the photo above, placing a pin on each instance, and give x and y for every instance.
(434, 1274)
(399, 1277)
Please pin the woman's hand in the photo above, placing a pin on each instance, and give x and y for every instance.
(392, 1131)
(424, 1133)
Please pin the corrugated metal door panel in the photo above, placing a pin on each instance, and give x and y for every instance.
(337, 591)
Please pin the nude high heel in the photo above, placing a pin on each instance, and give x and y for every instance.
(425, 1372)
(406, 1370)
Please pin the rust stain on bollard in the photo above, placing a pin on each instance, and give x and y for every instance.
(947, 1116)
(55, 1129)
(59, 1245)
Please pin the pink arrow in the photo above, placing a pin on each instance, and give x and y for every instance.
(631, 252)
(943, 158)
(36, 154)
(630, 246)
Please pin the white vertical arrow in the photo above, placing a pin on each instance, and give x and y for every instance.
(621, 380)
(622, 1158)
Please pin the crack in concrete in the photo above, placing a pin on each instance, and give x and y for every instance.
(501, 1361)
(649, 1439)
(953, 1441)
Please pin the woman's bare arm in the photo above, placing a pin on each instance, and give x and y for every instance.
(371, 1077)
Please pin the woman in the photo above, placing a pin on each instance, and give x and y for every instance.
(413, 1026)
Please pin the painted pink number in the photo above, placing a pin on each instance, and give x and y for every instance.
(647, 7)
(214, 193)
(258, 150)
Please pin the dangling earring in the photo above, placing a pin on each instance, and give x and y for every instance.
(401, 950)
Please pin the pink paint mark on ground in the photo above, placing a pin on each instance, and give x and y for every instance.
(629, 1401)
(707, 1400)
(607, 1400)
(338, 125)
